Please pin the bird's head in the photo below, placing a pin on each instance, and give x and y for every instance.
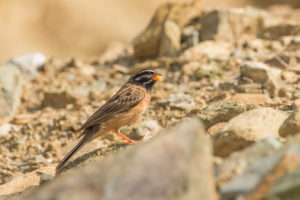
(146, 78)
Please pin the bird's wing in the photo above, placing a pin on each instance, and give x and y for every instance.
(125, 99)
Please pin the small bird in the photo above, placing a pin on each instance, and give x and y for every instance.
(124, 108)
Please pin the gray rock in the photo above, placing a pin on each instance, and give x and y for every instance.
(29, 64)
(291, 125)
(257, 180)
(237, 162)
(10, 91)
(175, 165)
(246, 128)
(222, 111)
(4, 129)
(179, 101)
(147, 129)
(287, 187)
(99, 86)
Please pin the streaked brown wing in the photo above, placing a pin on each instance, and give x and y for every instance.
(125, 99)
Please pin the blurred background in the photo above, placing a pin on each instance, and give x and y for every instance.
(83, 28)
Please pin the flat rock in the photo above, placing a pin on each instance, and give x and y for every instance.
(255, 99)
(179, 101)
(58, 99)
(291, 125)
(182, 157)
(246, 128)
(222, 111)
(10, 91)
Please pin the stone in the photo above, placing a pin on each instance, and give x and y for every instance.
(84, 91)
(210, 49)
(275, 32)
(10, 91)
(148, 43)
(258, 179)
(287, 187)
(255, 99)
(222, 111)
(147, 129)
(238, 162)
(170, 40)
(291, 125)
(57, 99)
(259, 72)
(29, 64)
(179, 101)
(263, 74)
(247, 128)
(4, 129)
(136, 173)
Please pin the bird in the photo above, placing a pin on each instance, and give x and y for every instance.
(124, 108)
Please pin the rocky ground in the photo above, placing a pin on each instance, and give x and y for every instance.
(231, 82)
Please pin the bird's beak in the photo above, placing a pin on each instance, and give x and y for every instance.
(157, 77)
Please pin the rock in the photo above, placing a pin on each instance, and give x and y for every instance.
(179, 101)
(136, 173)
(189, 37)
(210, 49)
(230, 24)
(289, 77)
(261, 73)
(255, 99)
(148, 43)
(291, 125)
(57, 99)
(86, 90)
(257, 180)
(45, 178)
(287, 187)
(170, 40)
(29, 64)
(215, 128)
(4, 129)
(222, 111)
(246, 128)
(238, 162)
(275, 32)
(147, 129)
(10, 91)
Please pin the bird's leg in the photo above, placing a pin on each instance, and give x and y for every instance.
(129, 141)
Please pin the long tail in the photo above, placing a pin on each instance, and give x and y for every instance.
(88, 133)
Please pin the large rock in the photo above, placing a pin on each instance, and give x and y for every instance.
(258, 179)
(10, 91)
(176, 165)
(222, 111)
(247, 128)
(291, 125)
(167, 22)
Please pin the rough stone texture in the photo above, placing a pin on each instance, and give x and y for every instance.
(291, 125)
(179, 101)
(10, 91)
(222, 111)
(147, 44)
(182, 157)
(236, 134)
(257, 180)
(274, 32)
(147, 129)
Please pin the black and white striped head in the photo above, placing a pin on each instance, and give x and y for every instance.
(146, 78)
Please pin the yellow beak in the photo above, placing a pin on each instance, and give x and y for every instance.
(157, 77)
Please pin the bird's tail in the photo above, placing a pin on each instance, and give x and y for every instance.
(88, 134)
